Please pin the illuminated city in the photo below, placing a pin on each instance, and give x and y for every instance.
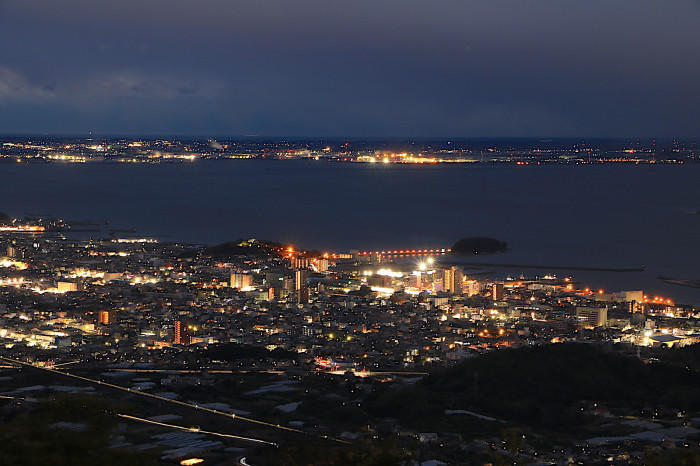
(357, 233)
(176, 323)
(149, 151)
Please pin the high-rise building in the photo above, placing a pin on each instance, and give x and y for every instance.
(107, 317)
(497, 292)
(274, 278)
(64, 286)
(14, 252)
(300, 279)
(474, 287)
(241, 281)
(459, 280)
(289, 284)
(300, 262)
(379, 281)
(452, 280)
(415, 280)
(446, 280)
(181, 334)
(321, 265)
(110, 276)
(593, 316)
(303, 295)
(630, 296)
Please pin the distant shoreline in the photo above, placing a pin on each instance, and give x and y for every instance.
(13, 160)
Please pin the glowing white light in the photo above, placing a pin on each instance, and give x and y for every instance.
(389, 273)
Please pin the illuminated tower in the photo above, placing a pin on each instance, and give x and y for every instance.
(592, 316)
(452, 280)
(497, 292)
(107, 317)
(300, 279)
(181, 335)
(241, 281)
(474, 287)
(322, 265)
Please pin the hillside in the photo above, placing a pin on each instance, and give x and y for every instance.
(545, 386)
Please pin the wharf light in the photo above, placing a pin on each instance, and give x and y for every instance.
(390, 273)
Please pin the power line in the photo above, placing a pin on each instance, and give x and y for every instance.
(195, 430)
(168, 400)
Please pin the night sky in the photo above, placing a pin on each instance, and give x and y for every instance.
(352, 68)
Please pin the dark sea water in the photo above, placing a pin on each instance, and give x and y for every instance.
(596, 216)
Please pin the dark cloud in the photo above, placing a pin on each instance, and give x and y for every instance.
(360, 68)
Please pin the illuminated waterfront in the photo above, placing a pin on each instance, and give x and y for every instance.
(589, 216)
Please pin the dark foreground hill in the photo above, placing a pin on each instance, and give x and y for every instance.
(547, 386)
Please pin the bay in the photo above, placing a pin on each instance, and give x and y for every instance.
(587, 215)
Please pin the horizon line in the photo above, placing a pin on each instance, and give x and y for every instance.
(349, 138)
